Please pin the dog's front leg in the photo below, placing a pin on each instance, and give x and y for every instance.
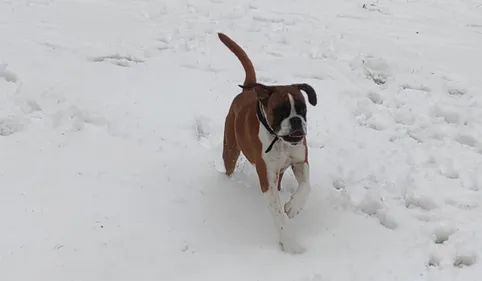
(269, 181)
(301, 170)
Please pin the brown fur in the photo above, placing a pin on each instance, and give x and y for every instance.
(242, 125)
(242, 56)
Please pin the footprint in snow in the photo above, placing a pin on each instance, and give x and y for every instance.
(448, 170)
(442, 234)
(425, 217)
(453, 86)
(20, 114)
(368, 114)
(375, 97)
(7, 75)
(404, 116)
(471, 183)
(420, 88)
(434, 260)
(375, 69)
(453, 91)
(459, 261)
(10, 126)
(273, 20)
(476, 25)
(339, 184)
(465, 260)
(424, 203)
(464, 257)
(374, 8)
(468, 140)
(202, 131)
(372, 206)
(116, 59)
(75, 119)
(448, 115)
(463, 204)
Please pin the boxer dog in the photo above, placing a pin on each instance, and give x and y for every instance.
(267, 123)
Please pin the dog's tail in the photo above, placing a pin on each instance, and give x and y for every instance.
(242, 56)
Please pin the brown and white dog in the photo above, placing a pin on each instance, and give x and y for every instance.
(268, 125)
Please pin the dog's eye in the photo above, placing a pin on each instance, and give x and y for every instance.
(282, 111)
(300, 109)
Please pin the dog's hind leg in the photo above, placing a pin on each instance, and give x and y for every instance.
(230, 147)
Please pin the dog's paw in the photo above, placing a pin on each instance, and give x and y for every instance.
(292, 247)
(294, 206)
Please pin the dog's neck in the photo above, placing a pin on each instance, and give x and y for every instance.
(262, 118)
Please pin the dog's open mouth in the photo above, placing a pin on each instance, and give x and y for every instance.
(297, 134)
(294, 137)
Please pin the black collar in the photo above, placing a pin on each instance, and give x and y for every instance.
(262, 119)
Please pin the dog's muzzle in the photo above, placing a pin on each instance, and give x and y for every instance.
(295, 137)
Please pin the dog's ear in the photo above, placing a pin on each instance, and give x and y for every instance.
(310, 92)
(261, 90)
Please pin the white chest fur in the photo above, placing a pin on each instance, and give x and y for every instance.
(282, 155)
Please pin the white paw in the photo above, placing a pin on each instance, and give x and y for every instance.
(294, 206)
(292, 247)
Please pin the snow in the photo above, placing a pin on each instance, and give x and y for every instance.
(100, 99)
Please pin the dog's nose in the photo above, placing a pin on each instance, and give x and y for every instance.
(296, 123)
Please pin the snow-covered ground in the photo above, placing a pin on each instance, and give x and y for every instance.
(111, 124)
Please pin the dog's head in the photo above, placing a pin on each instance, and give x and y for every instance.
(285, 108)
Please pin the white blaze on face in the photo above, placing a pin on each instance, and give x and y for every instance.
(285, 128)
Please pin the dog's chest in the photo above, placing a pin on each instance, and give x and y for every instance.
(282, 154)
